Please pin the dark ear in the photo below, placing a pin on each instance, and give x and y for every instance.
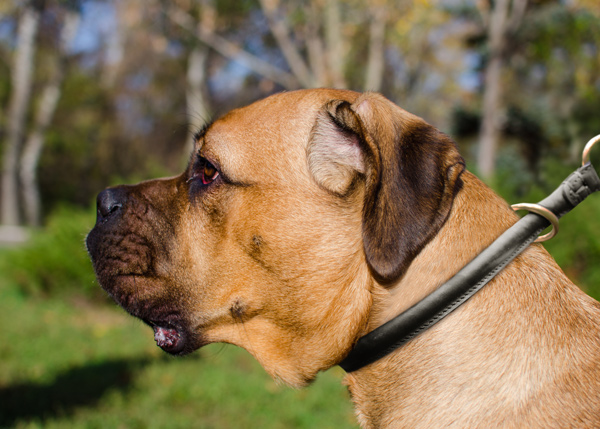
(411, 172)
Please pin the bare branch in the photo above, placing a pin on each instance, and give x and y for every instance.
(198, 109)
(208, 15)
(376, 62)
(233, 51)
(497, 29)
(516, 15)
(483, 6)
(314, 44)
(335, 43)
(197, 98)
(281, 32)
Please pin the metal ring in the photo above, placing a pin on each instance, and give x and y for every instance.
(545, 213)
(588, 148)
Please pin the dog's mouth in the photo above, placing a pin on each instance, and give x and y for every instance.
(147, 299)
(174, 338)
(169, 339)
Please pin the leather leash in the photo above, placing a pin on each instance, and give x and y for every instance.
(477, 273)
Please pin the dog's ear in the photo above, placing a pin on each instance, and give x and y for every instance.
(410, 169)
(336, 151)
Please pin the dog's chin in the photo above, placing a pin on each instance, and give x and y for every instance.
(173, 332)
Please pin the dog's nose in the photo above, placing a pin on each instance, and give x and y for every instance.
(110, 201)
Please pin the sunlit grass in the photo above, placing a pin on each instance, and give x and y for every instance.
(65, 363)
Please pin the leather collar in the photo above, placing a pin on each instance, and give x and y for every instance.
(473, 277)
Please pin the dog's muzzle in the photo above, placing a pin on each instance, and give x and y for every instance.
(124, 247)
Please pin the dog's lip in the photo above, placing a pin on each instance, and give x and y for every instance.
(172, 331)
(171, 337)
(168, 336)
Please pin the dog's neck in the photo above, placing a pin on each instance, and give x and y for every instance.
(475, 351)
(457, 243)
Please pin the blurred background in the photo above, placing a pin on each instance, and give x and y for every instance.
(99, 92)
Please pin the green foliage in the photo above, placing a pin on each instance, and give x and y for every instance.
(554, 69)
(54, 261)
(85, 140)
(69, 364)
(465, 122)
(576, 248)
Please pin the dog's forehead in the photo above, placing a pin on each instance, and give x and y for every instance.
(275, 129)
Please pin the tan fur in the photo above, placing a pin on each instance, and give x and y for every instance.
(524, 352)
(275, 261)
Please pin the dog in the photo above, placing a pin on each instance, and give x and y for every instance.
(309, 218)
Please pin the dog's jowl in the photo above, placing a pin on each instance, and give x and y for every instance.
(308, 219)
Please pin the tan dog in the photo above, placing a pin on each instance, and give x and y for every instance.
(308, 219)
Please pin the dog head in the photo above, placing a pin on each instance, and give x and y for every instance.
(290, 212)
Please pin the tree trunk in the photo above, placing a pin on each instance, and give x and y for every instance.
(197, 99)
(335, 43)
(281, 32)
(21, 77)
(31, 153)
(314, 44)
(491, 120)
(198, 109)
(43, 117)
(376, 62)
(502, 21)
(232, 51)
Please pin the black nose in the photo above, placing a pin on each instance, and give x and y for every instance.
(110, 201)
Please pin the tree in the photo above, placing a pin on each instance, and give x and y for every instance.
(229, 49)
(311, 38)
(502, 19)
(555, 67)
(21, 77)
(197, 98)
(46, 107)
(548, 64)
(22, 148)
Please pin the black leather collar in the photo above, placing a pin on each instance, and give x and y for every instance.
(470, 279)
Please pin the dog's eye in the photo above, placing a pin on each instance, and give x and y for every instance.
(205, 172)
(209, 173)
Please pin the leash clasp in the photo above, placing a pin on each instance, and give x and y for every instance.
(588, 148)
(545, 213)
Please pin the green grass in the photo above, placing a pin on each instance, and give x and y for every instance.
(54, 261)
(65, 363)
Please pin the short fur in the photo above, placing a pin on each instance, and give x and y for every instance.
(333, 212)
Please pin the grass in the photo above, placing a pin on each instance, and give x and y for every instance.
(66, 363)
(54, 261)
